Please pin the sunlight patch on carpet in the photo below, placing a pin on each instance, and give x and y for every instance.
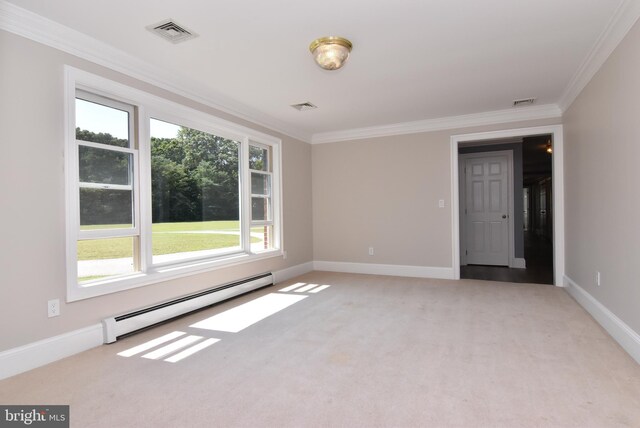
(306, 288)
(238, 318)
(191, 350)
(172, 347)
(151, 344)
(319, 289)
(293, 287)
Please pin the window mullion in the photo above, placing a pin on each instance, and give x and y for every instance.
(105, 186)
(276, 195)
(144, 183)
(245, 195)
(134, 124)
(107, 233)
(105, 147)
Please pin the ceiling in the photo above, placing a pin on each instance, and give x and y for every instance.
(413, 60)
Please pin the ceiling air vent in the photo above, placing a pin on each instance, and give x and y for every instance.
(304, 106)
(171, 31)
(524, 102)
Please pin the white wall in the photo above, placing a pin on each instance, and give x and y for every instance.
(32, 201)
(602, 151)
(383, 192)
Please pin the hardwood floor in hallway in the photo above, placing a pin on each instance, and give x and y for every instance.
(538, 254)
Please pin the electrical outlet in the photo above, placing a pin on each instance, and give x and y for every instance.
(371, 251)
(441, 203)
(598, 278)
(53, 308)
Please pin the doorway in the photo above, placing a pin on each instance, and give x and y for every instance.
(488, 219)
(537, 219)
(537, 157)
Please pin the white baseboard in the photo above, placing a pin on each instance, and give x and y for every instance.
(621, 332)
(18, 360)
(519, 263)
(291, 272)
(391, 270)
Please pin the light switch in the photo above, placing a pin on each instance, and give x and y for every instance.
(441, 203)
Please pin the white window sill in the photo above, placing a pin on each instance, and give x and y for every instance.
(162, 273)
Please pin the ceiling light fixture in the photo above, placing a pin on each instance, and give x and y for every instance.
(330, 52)
(549, 148)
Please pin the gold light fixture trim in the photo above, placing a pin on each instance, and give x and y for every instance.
(331, 52)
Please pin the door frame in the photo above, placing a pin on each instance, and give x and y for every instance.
(510, 203)
(557, 174)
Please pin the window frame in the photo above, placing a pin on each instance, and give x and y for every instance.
(269, 221)
(147, 106)
(134, 187)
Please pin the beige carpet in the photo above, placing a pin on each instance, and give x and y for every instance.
(368, 351)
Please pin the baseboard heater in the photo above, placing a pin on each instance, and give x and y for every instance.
(125, 324)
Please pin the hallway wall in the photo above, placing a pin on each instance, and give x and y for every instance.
(602, 149)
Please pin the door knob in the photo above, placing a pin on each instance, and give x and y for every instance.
(504, 216)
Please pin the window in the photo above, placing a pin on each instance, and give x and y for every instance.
(195, 193)
(261, 200)
(156, 190)
(106, 152)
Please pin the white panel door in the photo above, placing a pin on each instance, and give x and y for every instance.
(487, 209)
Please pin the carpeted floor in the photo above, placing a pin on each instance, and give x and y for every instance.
(368, 351)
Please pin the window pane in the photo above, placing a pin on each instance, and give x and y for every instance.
(261, 238)
(106, 208)
(104, 166)
(195, 193)
(258, 158)
(260, 208)
(101, 258)
(101, 124)
(260, 184)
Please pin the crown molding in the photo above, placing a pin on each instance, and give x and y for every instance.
(32, 26)
(546, 111)
(619, 25)
(22, 22)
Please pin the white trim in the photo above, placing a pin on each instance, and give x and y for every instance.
(558, 190)
(162, 273)
(547, 111)
(277, 195)
(621, 22)
(390, 270)
(291, 272)
(33, 355)
(519, 263)
(50, 33)
(511, 239)
(618, 329)
(557, 181)
(462, 195)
